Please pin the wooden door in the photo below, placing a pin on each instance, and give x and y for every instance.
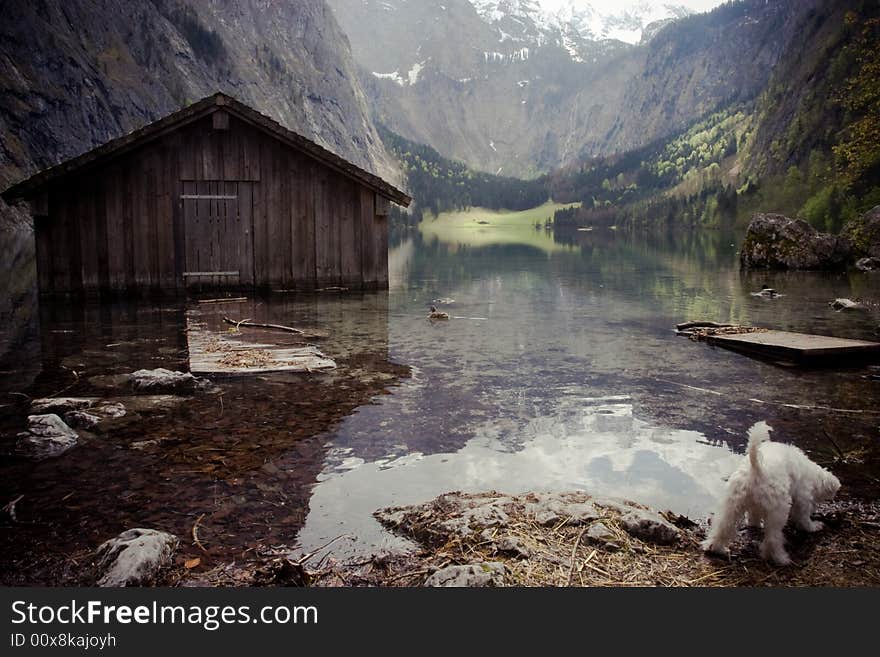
(218, 233)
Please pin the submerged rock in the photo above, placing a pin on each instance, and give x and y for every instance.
(60, 405)
(486, 573)
(82, 419)
(141, 445)
(134, 557)
(158, 381)
(112, 410)
(868, 264)
(162, 380)
(847, 304)
(47, 436)
(649, 526)
(774, 241)
(80, 412)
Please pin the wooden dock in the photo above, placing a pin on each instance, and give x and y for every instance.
(798, 347)
(215, 349)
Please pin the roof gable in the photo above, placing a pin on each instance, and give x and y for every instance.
(192, 113)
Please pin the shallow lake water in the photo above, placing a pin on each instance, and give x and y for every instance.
(559, 369)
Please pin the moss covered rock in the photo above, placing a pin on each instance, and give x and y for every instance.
(774, 241)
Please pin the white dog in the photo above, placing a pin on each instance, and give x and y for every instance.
(775, 482)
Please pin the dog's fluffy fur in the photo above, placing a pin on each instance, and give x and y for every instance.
(776, 482)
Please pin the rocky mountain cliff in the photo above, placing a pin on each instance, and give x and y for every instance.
(76, 73)
(514, 92)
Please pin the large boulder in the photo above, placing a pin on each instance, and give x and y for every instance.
(47, 436)
(864, 234)
(134, 557)
(774, 241)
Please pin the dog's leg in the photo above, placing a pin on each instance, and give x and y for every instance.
(773, 545)
(800, 514)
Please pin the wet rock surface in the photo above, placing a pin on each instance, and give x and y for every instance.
(134, 558)
(463, 515)
(47, 436)
(774, 241)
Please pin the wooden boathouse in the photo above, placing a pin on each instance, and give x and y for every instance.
(216, 195)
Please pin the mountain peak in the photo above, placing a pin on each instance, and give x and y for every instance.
(590, 21)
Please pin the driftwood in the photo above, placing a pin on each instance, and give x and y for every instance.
(9, 509)
(195, 533)
(689, 325)
(276, 327)
(229, 300)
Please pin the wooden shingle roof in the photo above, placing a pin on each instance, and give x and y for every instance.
(218, 101)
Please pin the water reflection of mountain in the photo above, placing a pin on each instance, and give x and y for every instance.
(19, 323)
(242, 459)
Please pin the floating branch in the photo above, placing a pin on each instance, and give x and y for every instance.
(276, 327)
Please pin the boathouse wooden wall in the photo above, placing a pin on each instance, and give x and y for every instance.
(127, 225)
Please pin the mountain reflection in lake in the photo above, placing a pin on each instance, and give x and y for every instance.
(559, 369)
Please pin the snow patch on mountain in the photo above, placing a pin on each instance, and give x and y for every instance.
(576, 19)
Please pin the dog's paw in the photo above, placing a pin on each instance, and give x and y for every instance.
(781, 559)
(775, 554)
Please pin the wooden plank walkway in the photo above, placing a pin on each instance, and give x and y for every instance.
(219, 351)
(798, 347)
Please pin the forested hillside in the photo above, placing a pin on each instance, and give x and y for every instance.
(438, 184)
(808, 145)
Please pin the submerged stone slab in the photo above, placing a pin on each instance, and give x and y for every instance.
(60, 405)
(134, 557)
(47, 436)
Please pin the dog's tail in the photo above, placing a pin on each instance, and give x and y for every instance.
(759, 433)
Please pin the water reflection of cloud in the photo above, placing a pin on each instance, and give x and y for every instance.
(601, 448)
